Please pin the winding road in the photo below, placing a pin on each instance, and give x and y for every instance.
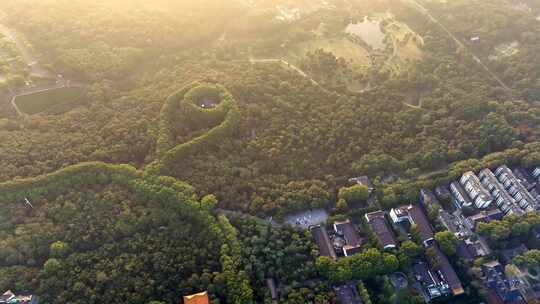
(460, 44)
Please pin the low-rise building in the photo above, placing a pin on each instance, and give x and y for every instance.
(485, 217)
(445, 270)
(460, 198)
(383, 233)
(432, 285)
(323, 241)
(536, 173)
(9, 297)
(500, 288)
(503, 199)
(353, 241)
(415, 216)
(198, 298)
(470, 250)
(516, 189)
(481, 197)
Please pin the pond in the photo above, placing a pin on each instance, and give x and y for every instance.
(369, 31)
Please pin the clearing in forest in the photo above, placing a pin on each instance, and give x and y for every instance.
(38, 102)
(341, 47)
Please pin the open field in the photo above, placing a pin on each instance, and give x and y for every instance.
(353, 53)
(38, 102)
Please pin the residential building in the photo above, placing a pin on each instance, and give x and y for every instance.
(198, 298)
(353, 241)
(503, 199)
(481, 197)
(508, 255)
(485, 217)
(470, 250)
(428, 199)
(383, 233)
(9, 297)
(536, 173)
(432, 285)
(500, 288)
(516, 189)
(415, 216)
(460, 198)
(323, 241)
(446, 271)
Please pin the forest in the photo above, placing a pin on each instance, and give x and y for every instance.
(279, 136)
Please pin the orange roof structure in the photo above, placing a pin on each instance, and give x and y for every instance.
(198, 298)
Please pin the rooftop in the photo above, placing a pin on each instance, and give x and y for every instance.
(347, 229)
(380, 227)
(198, 298)
(447, 271)
(323, 240)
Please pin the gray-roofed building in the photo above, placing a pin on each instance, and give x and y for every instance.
(415, 216)
(382, 231)
(503, 199)
(459, 196)
(323, 240)
(536, 173)
(516, 189)
(446, 271)
(9, 297)
(481, 197)
(353, 241)
(431, 283)
(496, 282)
(485, 217)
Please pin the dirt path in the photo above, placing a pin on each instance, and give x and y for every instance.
(425, 12)
(289, 66)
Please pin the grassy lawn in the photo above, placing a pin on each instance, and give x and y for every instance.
(340, 47)
(43, 101)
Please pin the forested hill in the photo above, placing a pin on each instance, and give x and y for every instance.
(97, 233)
(192, 108)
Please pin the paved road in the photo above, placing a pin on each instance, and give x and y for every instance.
(425, 11)
(26, 53)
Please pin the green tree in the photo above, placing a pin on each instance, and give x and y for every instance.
(52, 266)
(59, 249)
(447, 241)
(209, 202)
(354, 194)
